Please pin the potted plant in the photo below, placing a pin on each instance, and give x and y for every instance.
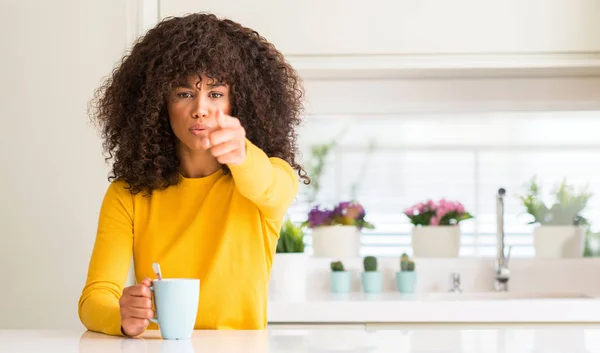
(436, 227)
(561, 227)
(340, 278)
(288, 273)
(336, 232)
(372, 279)
(406, 278)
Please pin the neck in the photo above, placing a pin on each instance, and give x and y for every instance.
(196, 164)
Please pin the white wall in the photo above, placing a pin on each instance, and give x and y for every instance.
(349, 27)
(54, 54)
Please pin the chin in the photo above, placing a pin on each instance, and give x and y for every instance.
(193, 145)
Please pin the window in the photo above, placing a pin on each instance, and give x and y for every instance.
(464, 157)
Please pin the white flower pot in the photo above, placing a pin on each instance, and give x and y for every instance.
(553, 242)
(436, 241)
(336, 241)
(288, 276)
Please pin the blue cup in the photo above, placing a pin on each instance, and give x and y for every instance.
(176, 304)
(406, 281)
(372, 281)
(340, 281)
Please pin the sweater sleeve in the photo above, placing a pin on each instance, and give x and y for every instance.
(270, 183)
(109, 264)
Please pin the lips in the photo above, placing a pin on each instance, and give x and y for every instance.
(197, 129)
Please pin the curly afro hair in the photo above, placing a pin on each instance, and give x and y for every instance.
(130, 106)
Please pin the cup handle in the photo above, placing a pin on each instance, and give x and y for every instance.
(154, 320)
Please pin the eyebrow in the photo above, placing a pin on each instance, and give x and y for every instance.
(216, 84)
(189, 86)
(184, 85)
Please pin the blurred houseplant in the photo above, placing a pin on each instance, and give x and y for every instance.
(561, 227)
(315, 167)
(436, 227)
(291, 238)
(289, 270)
(336, 232)
(592, 244)
(372, 280)
(406, 278)
(339, 278)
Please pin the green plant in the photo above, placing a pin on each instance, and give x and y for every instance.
(592, 244)
(406, 264)
(316, 166)
(565, 210)
(362, 171)
(370, 264)
(337, 266)
(291, 238)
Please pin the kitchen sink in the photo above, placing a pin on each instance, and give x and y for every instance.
(504, 296)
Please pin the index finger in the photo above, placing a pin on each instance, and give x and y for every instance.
(225, 121)
(140, 290)
(147, 282)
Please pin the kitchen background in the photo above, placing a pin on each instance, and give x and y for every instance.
(428, 99)
(390, 162)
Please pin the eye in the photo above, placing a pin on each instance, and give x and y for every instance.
(216, 95)
(184, 95)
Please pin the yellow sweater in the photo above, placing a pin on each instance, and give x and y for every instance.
(222, 229)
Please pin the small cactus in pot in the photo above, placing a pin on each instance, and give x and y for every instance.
(406, 278)
(339, 278)
(406, 264)
(372, 280)
(337, 266)
(370, 264)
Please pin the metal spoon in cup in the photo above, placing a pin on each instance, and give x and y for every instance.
(156, 268)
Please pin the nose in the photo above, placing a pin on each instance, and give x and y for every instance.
(200, 108)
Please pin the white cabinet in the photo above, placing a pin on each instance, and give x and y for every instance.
(396, 43)
(357, 27)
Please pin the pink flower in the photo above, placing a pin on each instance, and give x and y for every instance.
(409, 211)
(443, 203)
(420, 207)
(460, 208)
(353, 210)
(435, 220)
(441, 212)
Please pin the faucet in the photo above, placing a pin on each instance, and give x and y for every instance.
(455, 286)
(502, 270)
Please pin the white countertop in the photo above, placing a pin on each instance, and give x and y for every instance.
(401, 308)
(547, 339)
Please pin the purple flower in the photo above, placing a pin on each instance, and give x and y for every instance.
(345, 213)
(317, 217)
(353, 210)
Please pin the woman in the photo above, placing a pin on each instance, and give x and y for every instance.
(200, 119)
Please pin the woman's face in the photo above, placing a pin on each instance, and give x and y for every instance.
(192, 108)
